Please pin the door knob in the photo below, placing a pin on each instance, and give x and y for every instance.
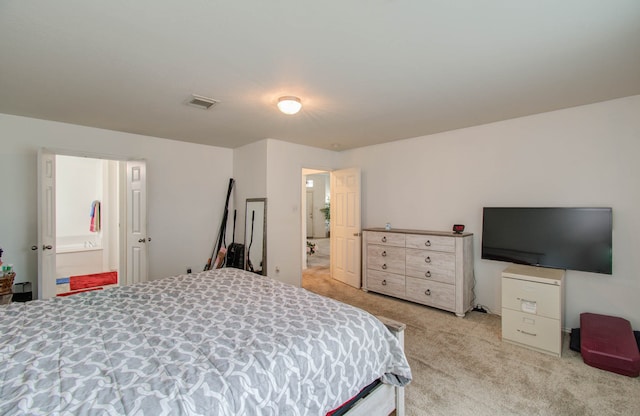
(34, 248)
(142, 240)
(47, 247)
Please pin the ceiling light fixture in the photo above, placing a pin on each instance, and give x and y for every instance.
(289, 105)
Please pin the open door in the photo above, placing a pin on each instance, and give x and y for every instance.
(346, 233)
(136, 220)
(46, 224)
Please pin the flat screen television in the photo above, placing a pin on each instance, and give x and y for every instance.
(562, 238)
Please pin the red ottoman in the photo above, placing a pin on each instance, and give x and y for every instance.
(608, 343)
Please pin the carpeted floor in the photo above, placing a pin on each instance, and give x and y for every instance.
(461, 367)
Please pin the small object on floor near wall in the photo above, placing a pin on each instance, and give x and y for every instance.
(458, 228)
(311, 248)
(23, 292)
(387, 226)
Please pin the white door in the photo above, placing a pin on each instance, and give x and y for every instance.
(46, 224)
(136, 223)
(345, 227)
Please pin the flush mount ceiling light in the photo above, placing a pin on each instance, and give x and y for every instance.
(289, 105)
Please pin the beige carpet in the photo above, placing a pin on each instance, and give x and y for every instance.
(461, 367)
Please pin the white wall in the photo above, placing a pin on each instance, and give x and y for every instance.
(249, 171)
(79, 181)
(285, 162)
(186, 187)
(583, 156)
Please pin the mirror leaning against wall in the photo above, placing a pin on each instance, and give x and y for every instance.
(255, 235)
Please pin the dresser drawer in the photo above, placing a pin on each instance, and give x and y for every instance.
(387, 283)
(532, 297)
(440, 295)
(432, 242)
(387, 239)
(384, 258)
(531, 330)
(431, 265)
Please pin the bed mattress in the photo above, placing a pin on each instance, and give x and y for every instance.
(222, 342)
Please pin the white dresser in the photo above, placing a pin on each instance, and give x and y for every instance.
(428, 267)
(532, 307)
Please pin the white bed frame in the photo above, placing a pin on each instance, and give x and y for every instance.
(385, 398)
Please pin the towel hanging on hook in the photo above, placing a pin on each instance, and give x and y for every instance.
(96, 219)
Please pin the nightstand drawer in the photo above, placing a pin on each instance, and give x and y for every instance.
(440, 295)
(431, 242)
(531, 297)
(387, 239)
(431, 265)
(386, 259)
(387, 283)
(531, 330)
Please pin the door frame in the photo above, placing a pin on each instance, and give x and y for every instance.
(123, 258)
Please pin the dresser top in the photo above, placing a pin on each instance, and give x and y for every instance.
(424, 232)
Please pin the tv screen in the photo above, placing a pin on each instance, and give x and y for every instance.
(563, 238)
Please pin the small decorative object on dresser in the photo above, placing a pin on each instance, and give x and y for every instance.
(433, 268)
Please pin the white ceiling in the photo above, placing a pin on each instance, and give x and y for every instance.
(367, 71)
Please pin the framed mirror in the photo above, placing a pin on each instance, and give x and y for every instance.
(255, 235)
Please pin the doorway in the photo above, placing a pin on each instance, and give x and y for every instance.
(123, 250)
(87, 217)
(316, 226)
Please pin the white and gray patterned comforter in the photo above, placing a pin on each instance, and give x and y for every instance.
(223, 342)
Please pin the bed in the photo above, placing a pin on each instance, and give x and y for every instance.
(221, 342)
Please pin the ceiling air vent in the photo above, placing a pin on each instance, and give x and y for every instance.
(201, 102)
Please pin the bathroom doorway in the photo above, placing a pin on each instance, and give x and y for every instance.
(103, 225)
(87, 217)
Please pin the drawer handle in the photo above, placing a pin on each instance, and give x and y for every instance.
(384, 282)
(527, 333)
(525, 300)
(427, 292)
(384, 239)
(384, 254)
(427, 260)
(428, 243)
(428, 273)
(384, 266)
